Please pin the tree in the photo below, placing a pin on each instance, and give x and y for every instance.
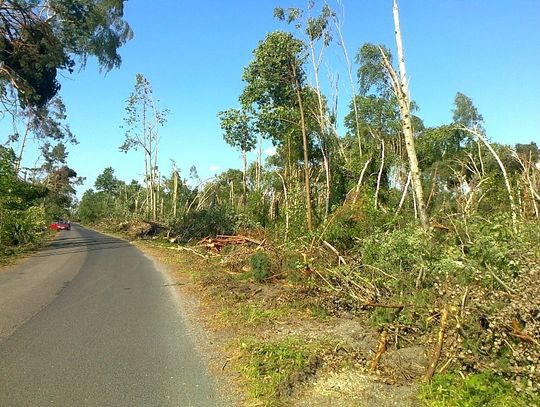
(143, 120)
(467, 119)
(318, 37)
(107, 182)
(38, 38)
(275, 83)
(238, 133)
(400, 86)
(45, 124)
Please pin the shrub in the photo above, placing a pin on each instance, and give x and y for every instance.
(212, 221)
(260, 266)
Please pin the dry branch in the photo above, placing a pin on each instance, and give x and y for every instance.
(383, 341)
(438, 348)
(340, 258)
(216, 243)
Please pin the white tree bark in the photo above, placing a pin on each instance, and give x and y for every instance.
(401, 90)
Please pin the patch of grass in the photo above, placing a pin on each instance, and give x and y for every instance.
(253, 314)
(483, 389)
(273, 369)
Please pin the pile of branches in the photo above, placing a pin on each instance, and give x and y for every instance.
(217, 243)
(500, 331)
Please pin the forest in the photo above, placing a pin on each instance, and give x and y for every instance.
(429, 234)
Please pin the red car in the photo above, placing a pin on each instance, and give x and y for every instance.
(61, 225)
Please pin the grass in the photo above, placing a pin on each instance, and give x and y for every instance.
(272, 369)
(483, 389)
(12, 254)
(253, 314)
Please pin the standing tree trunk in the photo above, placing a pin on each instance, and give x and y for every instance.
(175, 191)
(244, 177)
(306, 159)
(379, 176)
(513, 207)
(401, 90)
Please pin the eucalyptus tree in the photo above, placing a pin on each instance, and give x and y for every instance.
(143, 120)
(378, 62)
(275, 83)
(239, 133)
(317, 33)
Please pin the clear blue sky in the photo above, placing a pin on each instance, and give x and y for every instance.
(193, 53)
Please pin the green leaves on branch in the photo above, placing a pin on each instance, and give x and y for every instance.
(238, 129)
(40, 38)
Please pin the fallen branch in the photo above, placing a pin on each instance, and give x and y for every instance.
(383, 341)
(219, 241)
(341, 260)
(188, 249)
(517, 332)
(438, 348)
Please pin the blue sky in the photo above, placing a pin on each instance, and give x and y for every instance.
(193, 53)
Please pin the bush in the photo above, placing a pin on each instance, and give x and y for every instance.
(22, 226)
(215, 220)
(352, 222)
(260, 266)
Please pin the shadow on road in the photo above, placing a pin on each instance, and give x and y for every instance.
(68, 245)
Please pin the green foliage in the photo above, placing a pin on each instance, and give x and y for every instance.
(20, 227)
(254, 314)
(238, 131)
(260, 266)
(107, 182)
(212, 221)
(484, 389)
(272, 368)
(37, 39)
(493, 243)
(353, 222)
(93, 207)
(371, 73)
(21, 217)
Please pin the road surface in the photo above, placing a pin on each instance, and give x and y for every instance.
(90, 321)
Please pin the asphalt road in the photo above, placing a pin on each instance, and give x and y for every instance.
(90, 321)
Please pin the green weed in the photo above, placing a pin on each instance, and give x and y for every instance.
(272, 369)
(484, 389)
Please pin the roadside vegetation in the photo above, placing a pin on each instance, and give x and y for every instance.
(374, 260)
(393, 255)
(39, 41)
(387, 263)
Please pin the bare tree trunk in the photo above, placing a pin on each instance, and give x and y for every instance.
(175, 191)
(259, 164)
(360, 179)
(244, 176)
(322, 119)
(404, 194)
(401, 90)
(286, 197)
(379, 176)
(21, 151)
(503, 170)
(526, 166)
(351, 81)
(306, 159)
